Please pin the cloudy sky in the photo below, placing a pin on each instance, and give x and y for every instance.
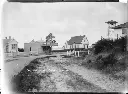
(27, 21)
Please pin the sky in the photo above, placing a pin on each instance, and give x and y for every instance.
(28, 21)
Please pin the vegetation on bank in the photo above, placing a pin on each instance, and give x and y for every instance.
(106, 45)
(108, 56)
(28, 79)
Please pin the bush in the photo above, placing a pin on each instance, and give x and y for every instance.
(100, 57)
(107, 64)
(103, 45)
(83, 54)
(20, 49)
(110, 45)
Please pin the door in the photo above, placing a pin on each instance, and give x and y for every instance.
(30, 48)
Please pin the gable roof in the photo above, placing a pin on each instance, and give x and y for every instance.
(6, 41)
(76, 39)
(125, 25)
(111, 22)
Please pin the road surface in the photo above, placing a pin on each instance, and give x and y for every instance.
(63, 76)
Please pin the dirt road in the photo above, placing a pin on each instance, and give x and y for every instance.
(57, 74)
(63, 80)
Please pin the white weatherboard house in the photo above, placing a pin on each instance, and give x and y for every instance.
(10, 45)
(116, 31)
(77, 42)
(121, 30)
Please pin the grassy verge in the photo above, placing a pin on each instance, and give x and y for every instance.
(79, 84)
(109, 65)
(108, 57)
(28, 79)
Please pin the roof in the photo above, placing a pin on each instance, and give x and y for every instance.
(76, 39)
(6, 41)
(111, 22)
(125, 25)
(40, 41)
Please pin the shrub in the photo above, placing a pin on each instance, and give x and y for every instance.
(103, 45)
(109, 59)
(100, 57)
(20, 49)
(106, 64)
(89, 61)
(110, 45)
(120, 44)
(83, 54)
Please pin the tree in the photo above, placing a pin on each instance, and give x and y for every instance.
(20, 49)
(49, 38)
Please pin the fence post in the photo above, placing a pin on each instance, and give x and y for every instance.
(70, 52)
(67, 53)
(75, 53)
(88, 51)
(78, 54)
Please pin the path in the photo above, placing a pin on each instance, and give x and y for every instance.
(93, 76)
(63, 80)
(60, 75)
(15, 66)
(98, 79)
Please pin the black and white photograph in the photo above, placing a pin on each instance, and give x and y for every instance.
(65, 47)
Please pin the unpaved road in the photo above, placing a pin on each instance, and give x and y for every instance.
(15, 65)
(63, 76)
(63, 80)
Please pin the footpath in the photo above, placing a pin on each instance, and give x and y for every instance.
(103, 81)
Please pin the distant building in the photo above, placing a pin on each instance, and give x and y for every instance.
(111, 34)
(10, 45)
(33, 46)
(121, 30)
(93, 45)
(38, 47)
(77, 42)
(116, 31)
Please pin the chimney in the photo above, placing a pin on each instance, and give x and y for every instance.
(5, 37)
(9, 37)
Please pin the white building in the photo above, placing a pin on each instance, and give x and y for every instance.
(77, 42)
(116, 31)
(10, 45)
(121, 30)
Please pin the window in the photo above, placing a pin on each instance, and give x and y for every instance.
(13, 46)
(66, 45)
(78, 46)
(6, 48)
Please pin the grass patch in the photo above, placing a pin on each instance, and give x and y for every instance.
(108, 64)
(27, 79)
(79, 84)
